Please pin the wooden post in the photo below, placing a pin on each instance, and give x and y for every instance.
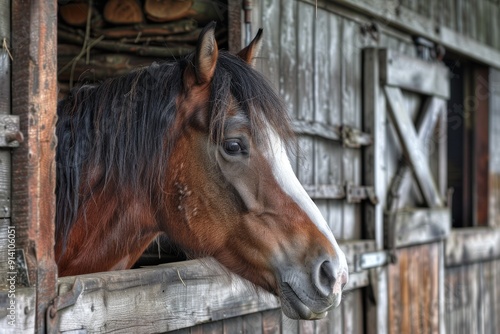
(34, 99)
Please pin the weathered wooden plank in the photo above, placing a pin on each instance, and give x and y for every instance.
(22, 318)
(351, 309)
(414, 290)
(305, 66)
(351, 116)
(403, 18)
(374, 116)
(468, 245)
(331, 132)
(116, 301)
(252, 323)
(322, 174)
(34, 43)
(288, 55)
(402, 181)
(271, 322)
(414, 226)
(412, 147)
(234, 23)
(233, 325)
(270, 22)
(414, 74)
(336, 323)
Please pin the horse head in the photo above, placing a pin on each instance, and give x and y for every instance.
(232, 193)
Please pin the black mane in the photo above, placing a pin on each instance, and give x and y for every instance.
(120, 131)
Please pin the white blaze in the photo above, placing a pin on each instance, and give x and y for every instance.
(286, 178)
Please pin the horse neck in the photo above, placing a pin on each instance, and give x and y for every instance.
(111, 234)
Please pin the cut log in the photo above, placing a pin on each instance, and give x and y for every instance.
(167, 10)
(123, 12)
(75, 13)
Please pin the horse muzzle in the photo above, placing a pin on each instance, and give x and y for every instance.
(310, 294)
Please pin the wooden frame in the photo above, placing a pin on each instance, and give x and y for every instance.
(203, 287)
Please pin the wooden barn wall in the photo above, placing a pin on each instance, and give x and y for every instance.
(476, 19)
(472, 298)
(314, 59)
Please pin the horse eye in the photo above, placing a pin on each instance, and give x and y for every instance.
(233, 147)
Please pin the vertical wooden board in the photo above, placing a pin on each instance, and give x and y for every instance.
(305, 169)
(415, 291)
(288, 55)
(232, 325)
(496, 294)
(486, 298)
(289, 325)
(5, 103)
(352, 313)
(271, 322)
(321, 326)
(215, 327)
(252, 323)
(306, 327)
(334, 117)
(270, 53)
(305, 59)
(495, 21)
(351, 115)
(335, 320)
(321, 83)
(394, 295)
(321, 67)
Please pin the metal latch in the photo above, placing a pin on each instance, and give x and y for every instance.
(10, 135)
(354, 138)
(356, 194)
(61, 302)
(373, 260)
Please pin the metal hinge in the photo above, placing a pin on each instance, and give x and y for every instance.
(356, 194)
(10, 135)
(61, 302)
(372, 260)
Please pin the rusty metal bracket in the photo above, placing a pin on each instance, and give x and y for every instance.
(10, 135)
(355, 194)
(354, 138)
(61, 302)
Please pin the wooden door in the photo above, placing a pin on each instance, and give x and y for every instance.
(405, 110)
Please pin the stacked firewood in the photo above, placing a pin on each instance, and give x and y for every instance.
(100, 39)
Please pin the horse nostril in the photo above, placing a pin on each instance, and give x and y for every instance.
(324, 278)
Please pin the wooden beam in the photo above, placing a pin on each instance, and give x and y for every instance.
(390, 13)
(375, 123)
(412, 147)
(168, 297)
(469, 245)
(417, 226)
(400, 187)
(413, 74)
(34, 100)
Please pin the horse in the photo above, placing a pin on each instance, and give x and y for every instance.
(196, 149)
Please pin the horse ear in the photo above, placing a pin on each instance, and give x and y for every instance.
(206, 54)
(251, 52)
